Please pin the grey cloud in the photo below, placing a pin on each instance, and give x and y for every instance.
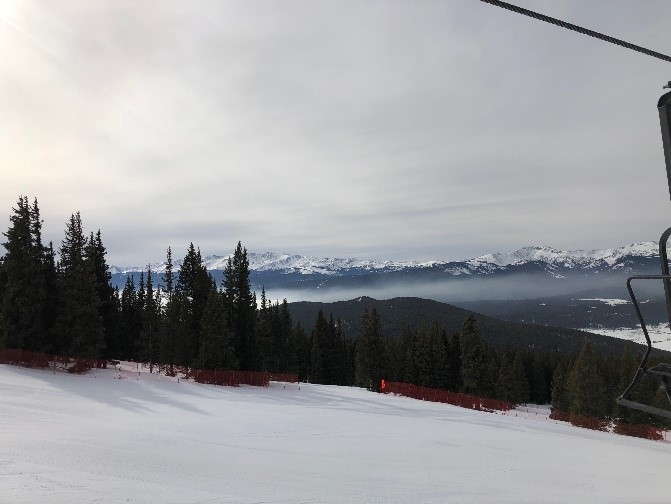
(379, 129)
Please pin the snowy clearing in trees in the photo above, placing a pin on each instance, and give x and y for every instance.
(97, 438)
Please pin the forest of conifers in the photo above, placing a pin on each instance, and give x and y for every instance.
(63, 302)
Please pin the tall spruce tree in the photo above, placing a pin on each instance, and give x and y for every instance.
(194, 284)
(317, 348)
(561, 400)
(95, 253)
(369, 352)
(585, 385)
(216, 350)
(472, 357)
(241, 304)
(130, 320)
(78, 320)
(169, 316)
(520, 380)
(151, 313)
(23, 314)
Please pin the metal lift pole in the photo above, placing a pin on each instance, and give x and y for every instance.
(664, 108)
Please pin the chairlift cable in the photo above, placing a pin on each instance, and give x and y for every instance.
(576, 28)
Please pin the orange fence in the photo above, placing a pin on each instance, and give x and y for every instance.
(40, 360)
(445, 396)
(26, 358)
(486, 404)
(601, 424)
(235, 378)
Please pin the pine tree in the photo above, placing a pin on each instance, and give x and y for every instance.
(149, 304)
(130, 321)
(168, 274)
(303, 351)
(520, 381)
(318, 342)
(264, 334)
(585, 386)
(561, 400)
(472, 357)
(78, 320)
(504, 387)
(369, 352)
(538, 388)
(170, 314)
(216, 351)
(454, 370)
(291, 358)
(194, 284)
(94, 253)
(490, 374)
(241, 302)
(50, 275)
(23, 313)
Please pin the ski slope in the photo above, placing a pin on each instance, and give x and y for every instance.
(97, 438)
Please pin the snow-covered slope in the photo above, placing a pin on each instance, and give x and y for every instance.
(66, 438)
(485, 264)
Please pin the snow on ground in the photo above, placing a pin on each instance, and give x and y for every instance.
(660, 335)
(96, 438)
(608, 301)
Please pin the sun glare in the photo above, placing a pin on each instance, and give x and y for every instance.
(9, 8)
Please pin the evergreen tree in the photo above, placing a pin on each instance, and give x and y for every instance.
(50, 276)
(331, 363)
(149, 304)
(170, 315)
(23, 313)
(472, 357)
(369, 353)
(264, 334)
(216, 350)
(454, 370)
(194, 284)
(302, 342)
(538, 390)
(241, 302)
(504, 386)
(168, 274)
(561, 400)
(78, 320)
(168, 330)
(130, 321)
(585, 386)
(318, 343)
(520, 381)
(94, 253)
(490, 374)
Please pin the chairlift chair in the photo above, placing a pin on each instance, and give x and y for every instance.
(660, 371)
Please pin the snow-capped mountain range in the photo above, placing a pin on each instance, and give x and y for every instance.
(552, 260)
(537, 284)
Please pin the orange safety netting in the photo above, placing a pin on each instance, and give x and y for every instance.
(445, 396)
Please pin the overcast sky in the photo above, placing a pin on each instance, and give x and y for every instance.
(372, 129)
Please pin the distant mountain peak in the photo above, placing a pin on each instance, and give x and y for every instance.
(567, 258)
(550, 257)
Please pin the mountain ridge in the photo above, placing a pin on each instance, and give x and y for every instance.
(552, 259)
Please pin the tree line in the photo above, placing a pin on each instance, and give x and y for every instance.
(68, 306)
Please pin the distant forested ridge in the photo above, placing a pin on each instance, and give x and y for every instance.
(412, 312)
(62, 301)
